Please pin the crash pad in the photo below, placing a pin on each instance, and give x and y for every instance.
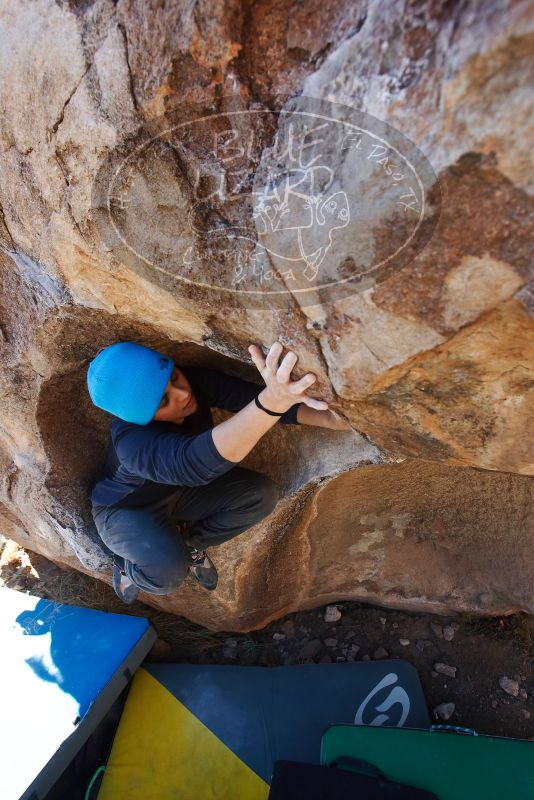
(61, 669)
(454, 765)
(214, 732)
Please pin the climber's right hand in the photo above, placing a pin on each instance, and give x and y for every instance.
(280, 392)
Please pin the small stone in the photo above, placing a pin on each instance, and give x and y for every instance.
(383, 620)
(434, 673)
(523, 693)
(353, 649)
(444, 711)
(494, 703)
(437, 630)
(445, 669)
(525, 713)
(332, 614)
(330, 642)
(279, 637)
(350, 635)
(339, 659)
(448, 633)
(422, 643)
(231, 642)
(380, 653)
(404, 642)
(288, 627)
(509, 686)
(326, 659)
(366, 657)
(311, 649)
(395, 625)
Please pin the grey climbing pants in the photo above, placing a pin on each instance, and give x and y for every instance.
(155, 553)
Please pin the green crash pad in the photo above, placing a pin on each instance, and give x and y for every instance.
(456, 766)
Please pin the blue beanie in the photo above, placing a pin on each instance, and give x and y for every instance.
(128, 380)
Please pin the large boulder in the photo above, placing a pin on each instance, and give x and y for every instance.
(424, 340)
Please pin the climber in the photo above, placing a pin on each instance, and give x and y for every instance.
(166, 464)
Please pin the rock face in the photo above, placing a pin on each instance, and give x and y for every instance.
(428, 502)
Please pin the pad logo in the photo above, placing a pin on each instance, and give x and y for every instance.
(163, 362)
(397, 696)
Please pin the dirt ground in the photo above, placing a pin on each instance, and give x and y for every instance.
(483, 651)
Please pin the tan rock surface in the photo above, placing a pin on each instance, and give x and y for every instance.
(432, 362)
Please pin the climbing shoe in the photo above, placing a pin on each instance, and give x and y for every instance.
(202, 568)
(123, 586)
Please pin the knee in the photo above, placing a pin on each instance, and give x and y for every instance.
(267, 494)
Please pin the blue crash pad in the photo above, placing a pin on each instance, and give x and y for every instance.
(61, 669)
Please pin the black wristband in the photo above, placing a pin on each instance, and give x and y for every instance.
(272, 413)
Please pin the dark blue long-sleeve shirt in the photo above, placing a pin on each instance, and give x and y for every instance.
(145, 463)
